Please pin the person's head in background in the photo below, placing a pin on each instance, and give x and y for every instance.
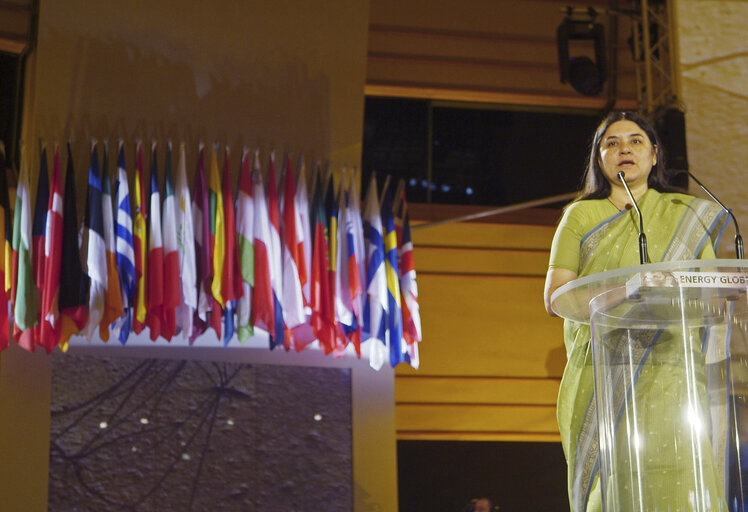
(481, 505)
(484, 505)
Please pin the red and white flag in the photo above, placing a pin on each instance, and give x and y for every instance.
(172, 289)
(293, 257)
(49, 336)
(263, 304)
(155, 292)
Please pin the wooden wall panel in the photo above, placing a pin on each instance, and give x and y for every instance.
(419, 47)
(491, 358)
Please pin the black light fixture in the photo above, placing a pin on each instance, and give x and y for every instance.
(585, 75)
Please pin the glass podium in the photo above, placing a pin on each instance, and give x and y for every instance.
(670, 365)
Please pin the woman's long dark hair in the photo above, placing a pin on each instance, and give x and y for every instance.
(597, 186)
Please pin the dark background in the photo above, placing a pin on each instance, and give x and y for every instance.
(443, 476)
(478, 155)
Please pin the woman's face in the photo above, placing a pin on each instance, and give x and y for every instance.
(626, 147)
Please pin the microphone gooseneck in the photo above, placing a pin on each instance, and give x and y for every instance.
(738, 238)
(643, 254)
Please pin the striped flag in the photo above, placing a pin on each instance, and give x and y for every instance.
(50, 332)
(275, 255)
(113, 299)
(375, 303)
(172, 288)
(38, 236)
(74, 283)
(293, 256)
(231, 288)
(201, 224)
(263, 305)
(245, 243)
(139, 242)
(26, 314)
(186, 244)
(6, 257)
(94, 247)
(155, 282)
(323, 315)
(216, 243)
(394, 314)
(124, 244)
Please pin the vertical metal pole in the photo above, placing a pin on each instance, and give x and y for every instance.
(672, 16)
(647, 56)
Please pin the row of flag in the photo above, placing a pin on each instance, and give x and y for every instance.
(306, 262)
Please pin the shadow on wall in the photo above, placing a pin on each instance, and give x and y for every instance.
(107, 88)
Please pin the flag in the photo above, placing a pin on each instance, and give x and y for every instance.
(6, 257)
(293, 257)
(186, 249)
(375, 302)
(139, 243)
(345, 321)
(74, 283)
(26, 314)
(332, 213)
(323, 315)
(201, 224)
(155, 282)
(394, 314)
(275, 255)
(409, 289)
(113, 299)
(94, 247)
(305, 240)
(263, 305)
(231, 288)
(348, 284)
(216, 243)
(50, 316)
(38, 236)
(124, 244)
(245, 243)
(172, 289)
(358, 228)
(304, 334)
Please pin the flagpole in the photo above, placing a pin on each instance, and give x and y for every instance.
(500, 210)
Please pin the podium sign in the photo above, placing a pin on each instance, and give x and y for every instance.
(670, 364)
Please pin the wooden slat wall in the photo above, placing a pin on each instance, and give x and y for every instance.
(491, 358)
(500, 51)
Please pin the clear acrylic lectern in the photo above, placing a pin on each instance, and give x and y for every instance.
(670, 363)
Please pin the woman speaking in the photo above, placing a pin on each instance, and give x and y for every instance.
(599, 231)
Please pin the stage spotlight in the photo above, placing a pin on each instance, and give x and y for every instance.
(584, 74)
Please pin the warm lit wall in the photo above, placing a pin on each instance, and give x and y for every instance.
(714, 80)
(491, 359)
(493, 51)
(284, 75)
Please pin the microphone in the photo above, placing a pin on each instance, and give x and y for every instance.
(643, 255)
(738, 238)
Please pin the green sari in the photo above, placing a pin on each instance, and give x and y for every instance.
(593, 237)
